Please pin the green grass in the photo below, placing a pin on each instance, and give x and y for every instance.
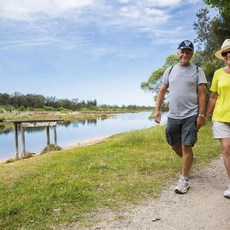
(60, 187)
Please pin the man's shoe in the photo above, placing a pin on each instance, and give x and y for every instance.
(182, 186)
(193, 162)
(227, 192)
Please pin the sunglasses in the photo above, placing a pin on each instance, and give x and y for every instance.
(224, 54)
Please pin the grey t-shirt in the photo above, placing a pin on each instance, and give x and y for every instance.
(182, 85)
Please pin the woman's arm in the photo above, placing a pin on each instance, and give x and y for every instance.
(211, 104)
(202, 105)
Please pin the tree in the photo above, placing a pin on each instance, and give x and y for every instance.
(39, 101)
(221, 23)
(51, 102)
(154, 81)
(4, 99)
(222, 5)
(211, 33)
(17, 100)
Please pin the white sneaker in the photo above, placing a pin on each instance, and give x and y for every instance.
(182, 186)
(227, 192)
(193, 162)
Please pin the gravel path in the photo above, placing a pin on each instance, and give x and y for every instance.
(203, 207)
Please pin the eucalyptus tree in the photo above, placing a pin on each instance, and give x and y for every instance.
(211, 32)
(153, 82)
(222, 5)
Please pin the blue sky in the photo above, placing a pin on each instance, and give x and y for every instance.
(90, 49)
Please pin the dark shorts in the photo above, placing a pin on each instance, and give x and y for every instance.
(181, 131)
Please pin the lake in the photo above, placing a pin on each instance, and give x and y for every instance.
(69, 133)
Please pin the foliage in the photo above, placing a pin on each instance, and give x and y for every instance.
(58, 188)
(209, 69)
(36, 102)
(154, 81)
(220, 24)
(203, 28)
(222, 5)
(210, 35)
(211, 32)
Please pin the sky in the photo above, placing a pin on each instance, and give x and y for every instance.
(90, 49)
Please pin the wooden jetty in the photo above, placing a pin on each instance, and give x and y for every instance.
(22, 124)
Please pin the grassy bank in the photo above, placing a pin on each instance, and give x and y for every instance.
(60, 187)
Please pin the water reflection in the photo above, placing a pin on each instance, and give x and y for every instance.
(4, 129)
(79, 122)
(75, 124)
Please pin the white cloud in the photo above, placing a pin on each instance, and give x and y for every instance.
(193, 1)
(27, 9)
(124, 1)
(127, 12)
(152, 17)
(152, 3)
(131, 14)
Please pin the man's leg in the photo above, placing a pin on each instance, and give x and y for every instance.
(188, 139)
(177, 149)
(187, 160)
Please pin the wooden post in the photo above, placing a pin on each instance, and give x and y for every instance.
(22, 124)
(23, 142)
(48, 135)
(16, 139)
(55, 136)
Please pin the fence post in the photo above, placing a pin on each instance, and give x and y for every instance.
(48, 135)
(55, 136)
(16, 138)
(23, 142)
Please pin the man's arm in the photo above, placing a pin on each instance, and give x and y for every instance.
(159, 101)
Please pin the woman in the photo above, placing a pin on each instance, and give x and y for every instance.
(219, 104)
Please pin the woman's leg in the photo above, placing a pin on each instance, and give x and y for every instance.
(225, 144)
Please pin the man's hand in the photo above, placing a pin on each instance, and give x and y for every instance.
(200, 122)
(157, 117)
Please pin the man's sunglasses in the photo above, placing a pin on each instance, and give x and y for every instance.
(224, 54)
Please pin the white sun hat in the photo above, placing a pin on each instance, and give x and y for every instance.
(225, 46)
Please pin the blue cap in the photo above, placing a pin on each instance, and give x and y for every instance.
(186, 45)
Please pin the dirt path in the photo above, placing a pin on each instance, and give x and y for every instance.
(203, 207)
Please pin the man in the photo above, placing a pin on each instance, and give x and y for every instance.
(186, 84)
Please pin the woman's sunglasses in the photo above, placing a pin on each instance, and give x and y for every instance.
(224, 54)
